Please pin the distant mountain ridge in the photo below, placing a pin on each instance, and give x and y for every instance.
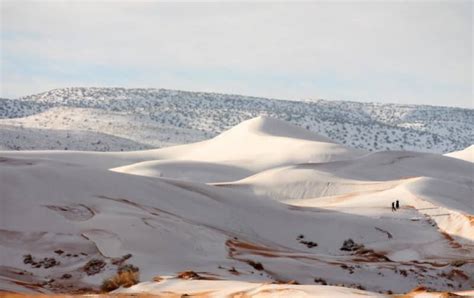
(161, 117)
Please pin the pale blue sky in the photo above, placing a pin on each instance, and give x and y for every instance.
(386, 51)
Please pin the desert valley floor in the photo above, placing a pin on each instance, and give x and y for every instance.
(264, 208)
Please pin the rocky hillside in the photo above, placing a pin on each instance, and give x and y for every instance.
(160, 117)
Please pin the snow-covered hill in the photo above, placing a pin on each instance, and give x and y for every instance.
(70, 219)
(159, 117)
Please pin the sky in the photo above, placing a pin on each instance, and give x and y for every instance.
(416, 52)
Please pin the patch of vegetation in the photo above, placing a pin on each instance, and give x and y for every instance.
(94, 266)
(320, 281)
(189, 275)
(350, 245)
(256, 265)
(126, 276)
(309, 244)
(45, 262)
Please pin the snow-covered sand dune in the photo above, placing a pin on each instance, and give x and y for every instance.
(372, 172)
(264, 202)
(466, 154)
(261, 143)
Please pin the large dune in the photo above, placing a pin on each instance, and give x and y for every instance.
(265, 202)
(259, 144)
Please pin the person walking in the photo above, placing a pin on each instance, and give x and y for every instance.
(393, 207)
(397, 204)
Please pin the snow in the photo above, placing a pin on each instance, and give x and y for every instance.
(466, 154)
(260, 192)
(249, 145)
(405, 255)
(198, 171)
(151, 118)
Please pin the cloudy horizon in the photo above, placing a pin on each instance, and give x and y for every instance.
(398, 52)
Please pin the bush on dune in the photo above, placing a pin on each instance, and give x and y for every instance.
(127, 276)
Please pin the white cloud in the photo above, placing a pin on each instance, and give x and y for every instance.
(427, 42)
